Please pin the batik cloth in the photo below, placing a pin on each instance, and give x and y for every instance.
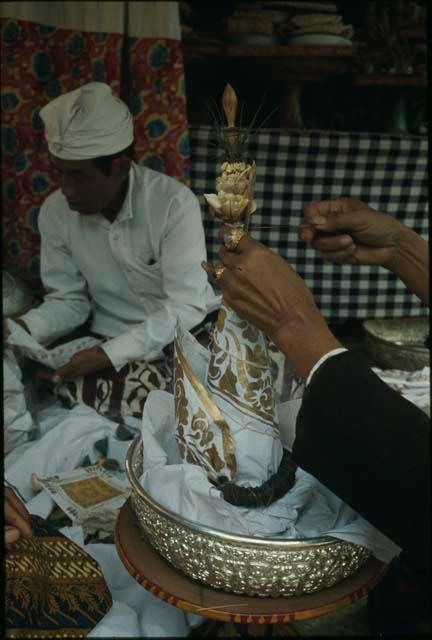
(53, 589)
(123, 393)
(117, 393)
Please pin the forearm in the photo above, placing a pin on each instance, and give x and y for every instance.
(304, 341)
(55, 318)
(410, 263)
(146, 341)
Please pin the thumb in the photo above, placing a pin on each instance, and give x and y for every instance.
(11, 534)
(344, 221)
(54, 378)
(59, 375)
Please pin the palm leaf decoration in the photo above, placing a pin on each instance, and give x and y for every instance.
(229, 148)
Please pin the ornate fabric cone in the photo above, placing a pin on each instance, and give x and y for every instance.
(203, 435)
(224, 397)
(224, 403)
(240, 380)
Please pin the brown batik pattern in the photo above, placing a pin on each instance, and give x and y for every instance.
(117, 393)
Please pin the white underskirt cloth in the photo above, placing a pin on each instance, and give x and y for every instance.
(308, 510)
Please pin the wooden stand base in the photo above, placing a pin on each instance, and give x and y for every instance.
(156, 575)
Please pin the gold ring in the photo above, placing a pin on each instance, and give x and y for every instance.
(233, 237)
(218, 271)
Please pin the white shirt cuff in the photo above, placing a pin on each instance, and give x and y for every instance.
(117, 350)
(36, 325)
(333, 352)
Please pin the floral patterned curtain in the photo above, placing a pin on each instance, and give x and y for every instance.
(49, 48)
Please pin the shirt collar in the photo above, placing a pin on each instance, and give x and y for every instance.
(126, 212)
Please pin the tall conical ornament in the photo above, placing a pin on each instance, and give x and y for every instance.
(224, 396)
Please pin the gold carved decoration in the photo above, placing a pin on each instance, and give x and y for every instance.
(194, 434)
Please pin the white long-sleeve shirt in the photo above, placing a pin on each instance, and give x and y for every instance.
(137, 274)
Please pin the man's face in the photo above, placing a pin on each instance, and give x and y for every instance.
(86, 188)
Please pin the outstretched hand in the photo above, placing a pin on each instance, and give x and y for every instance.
(348, 231)
(81, 364)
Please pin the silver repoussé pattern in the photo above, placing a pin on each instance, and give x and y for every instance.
(240, 564)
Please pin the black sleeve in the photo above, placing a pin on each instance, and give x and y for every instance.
(371, 447)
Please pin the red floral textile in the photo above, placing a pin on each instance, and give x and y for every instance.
(157, 100)
(41, 63)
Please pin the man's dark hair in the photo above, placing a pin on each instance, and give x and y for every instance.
(104, 163)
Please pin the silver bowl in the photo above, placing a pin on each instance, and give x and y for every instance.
(235, 563)
(398, 343)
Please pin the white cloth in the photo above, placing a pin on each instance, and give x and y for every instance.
(17, 420)
(53, 358)
(414, 386)
(309, 509)
(137, 274)
(64, 446)
(86, 123)
(136, 613)
(255, 440)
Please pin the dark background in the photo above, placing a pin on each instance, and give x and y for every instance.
(330, 102)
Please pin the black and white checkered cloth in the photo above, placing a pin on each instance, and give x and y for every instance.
(389, 173)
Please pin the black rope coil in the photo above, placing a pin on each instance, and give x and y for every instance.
(262, 496)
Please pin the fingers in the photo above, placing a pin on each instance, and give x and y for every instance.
(232, 238)
(333, 215)
(327, 244)
(47, 376)
(324, 243)
(344, 256)
(17, 518)
(60, 375)
(230, 259)
(13, 499)
(13, 518)
(336, 206)
(68, 372)
(12, 534)
(222, 231)
(306, 233)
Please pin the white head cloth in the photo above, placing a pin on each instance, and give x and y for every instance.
(87, 123)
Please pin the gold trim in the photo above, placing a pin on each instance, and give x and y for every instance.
(212, 410)
(235, 234)
(266, 417)
(241, 369)
(218, 270)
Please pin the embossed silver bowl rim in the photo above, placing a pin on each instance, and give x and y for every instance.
(298, 543)
(399, 333)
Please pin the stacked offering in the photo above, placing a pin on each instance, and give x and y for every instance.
(212, 486)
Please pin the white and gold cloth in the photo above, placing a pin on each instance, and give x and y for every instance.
(224, 402)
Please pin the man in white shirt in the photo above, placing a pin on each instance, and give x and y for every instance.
(118, 240)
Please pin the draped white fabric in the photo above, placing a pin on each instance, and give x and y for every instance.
(137, 19)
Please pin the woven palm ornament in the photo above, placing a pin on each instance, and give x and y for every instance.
(224, 396)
